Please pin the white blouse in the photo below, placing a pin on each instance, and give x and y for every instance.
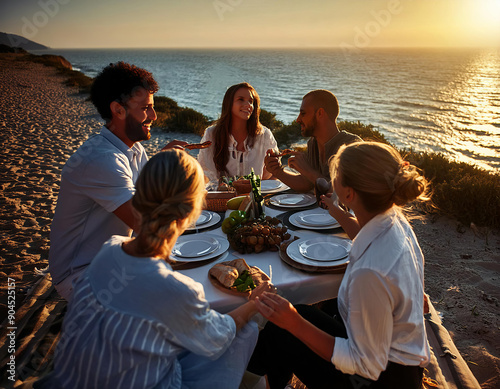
(381, 300)
(240, 162)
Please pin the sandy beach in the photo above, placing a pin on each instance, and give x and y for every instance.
(42, 122)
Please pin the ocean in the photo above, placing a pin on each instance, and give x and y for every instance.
(441, 100)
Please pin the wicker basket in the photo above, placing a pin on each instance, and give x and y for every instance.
(217, 201)
(243, 187)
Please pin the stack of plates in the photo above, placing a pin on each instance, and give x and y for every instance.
(293, 200)
(314, 219)
(320, 252)
(272, 186)
(199, 247)
(206, 219)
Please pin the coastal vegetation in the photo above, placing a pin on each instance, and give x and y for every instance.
(459, 190)
(73, 77)
(171, 117)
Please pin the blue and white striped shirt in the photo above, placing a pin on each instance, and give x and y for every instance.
(129, 320)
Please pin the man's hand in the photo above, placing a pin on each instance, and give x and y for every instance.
(298, 182)
(298, 162)
(175, 144)
(272, 163)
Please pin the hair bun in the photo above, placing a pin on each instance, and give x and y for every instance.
(408, 185)
(378, 174)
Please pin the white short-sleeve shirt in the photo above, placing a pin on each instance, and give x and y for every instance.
(97, 179)
(240, 162)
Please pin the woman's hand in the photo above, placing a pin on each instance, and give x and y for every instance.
(277, 309)
(341, 213)
(328, 201)
(259, 290)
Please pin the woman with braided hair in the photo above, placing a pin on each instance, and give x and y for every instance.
(134, 322)
(375, 337)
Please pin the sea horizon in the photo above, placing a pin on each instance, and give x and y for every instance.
(428, 99)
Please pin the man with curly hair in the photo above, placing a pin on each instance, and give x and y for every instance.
(97, 181)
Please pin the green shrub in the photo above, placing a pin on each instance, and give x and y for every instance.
(269, 120)
(188, 120)
(78, 79)
(460, 190)
(288, 134)
(166, 105)
(73, 78)
(366, 131)
(470, 199)
(165, 108)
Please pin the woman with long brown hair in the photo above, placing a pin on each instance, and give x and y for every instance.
(239, 140)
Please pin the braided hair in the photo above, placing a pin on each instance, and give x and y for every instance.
(170, 189)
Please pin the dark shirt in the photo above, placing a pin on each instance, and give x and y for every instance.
(331, 148)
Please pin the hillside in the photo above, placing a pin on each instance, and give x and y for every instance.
(14, 40)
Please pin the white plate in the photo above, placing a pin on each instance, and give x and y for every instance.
(195, 247)
(316, 218)
(293, 252)
(223, 247)
(215, 218)
(318, 249)
(293, 200)
(272, 186)
(297, 219)
(204, 218)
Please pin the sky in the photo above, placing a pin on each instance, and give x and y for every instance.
(253, 23)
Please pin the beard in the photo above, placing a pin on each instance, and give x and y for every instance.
(309, 130)
(134, 130)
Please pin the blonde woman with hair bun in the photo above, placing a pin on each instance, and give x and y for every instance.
(380, 178)
(373, 336)
(134, 322)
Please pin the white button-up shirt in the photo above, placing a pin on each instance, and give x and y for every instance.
(240, 162)
(381, 300)
(97, 179)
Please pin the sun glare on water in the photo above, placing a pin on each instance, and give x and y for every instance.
(472, 122)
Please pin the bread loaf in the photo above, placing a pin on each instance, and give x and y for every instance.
(226, 275)
(240, 265)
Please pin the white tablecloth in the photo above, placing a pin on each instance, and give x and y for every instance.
(297, 286)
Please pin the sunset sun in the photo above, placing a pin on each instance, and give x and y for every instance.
(486, 14)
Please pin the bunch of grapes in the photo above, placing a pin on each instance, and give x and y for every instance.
(258, 235)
